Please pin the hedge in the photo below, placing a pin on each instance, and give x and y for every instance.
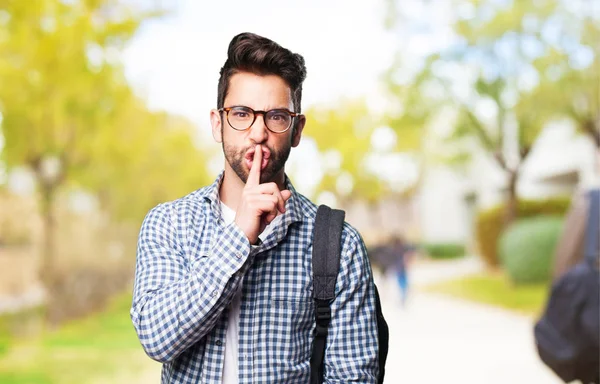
(444, 250)
(489, 223)
(527, 247)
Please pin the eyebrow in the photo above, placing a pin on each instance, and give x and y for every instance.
(270, 109)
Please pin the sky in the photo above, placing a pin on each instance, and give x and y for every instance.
(175, 61)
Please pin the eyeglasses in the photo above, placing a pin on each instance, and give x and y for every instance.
(241, 118)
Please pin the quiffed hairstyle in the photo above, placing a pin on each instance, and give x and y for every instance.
(252, 53)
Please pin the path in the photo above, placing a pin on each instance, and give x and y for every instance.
(438, 339)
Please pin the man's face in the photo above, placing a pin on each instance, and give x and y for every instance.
(259, 93)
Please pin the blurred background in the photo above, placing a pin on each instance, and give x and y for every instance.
(455, 133)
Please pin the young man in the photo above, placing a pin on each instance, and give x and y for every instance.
(223, 283)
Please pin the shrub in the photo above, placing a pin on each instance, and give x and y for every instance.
(4, 335)
(527, 248)
(81, 289)
(22, 323)
(490, 223)
(444, 250)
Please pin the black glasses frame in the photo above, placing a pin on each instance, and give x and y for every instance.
(263, 113)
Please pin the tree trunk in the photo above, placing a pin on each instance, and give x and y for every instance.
(512, 202)
(590, 128)
(48, 262)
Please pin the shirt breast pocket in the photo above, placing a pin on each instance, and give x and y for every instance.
(290, 323)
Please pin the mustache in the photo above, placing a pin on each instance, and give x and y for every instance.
(242, 152)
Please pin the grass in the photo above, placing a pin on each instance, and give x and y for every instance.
(495, 289)
(99, 347)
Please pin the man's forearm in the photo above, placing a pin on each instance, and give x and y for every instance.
(174, 307)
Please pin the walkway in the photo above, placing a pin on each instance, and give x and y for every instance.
(438, 339)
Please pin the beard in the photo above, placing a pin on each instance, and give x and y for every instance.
(236, 159)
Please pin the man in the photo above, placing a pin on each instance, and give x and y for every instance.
(223, 283)
(403, 254)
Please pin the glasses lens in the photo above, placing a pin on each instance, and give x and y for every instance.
(278, 120)
(240, 117)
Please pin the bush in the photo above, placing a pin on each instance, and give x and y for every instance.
(4, 336)
(81, 289)
(527, 248)
(444, 250)
(22, 323)
(490, 223)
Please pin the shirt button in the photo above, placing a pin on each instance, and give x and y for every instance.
(214, 293)
(238, 254)
(219, 343)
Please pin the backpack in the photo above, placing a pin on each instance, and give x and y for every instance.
(567, 335)
(326, 264)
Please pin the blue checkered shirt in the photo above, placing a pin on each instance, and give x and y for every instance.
(189, 265)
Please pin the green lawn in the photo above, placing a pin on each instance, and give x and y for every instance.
(97, 348)
(495, 289)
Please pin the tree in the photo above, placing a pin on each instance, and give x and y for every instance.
(343, 134)
(144, 158)
(509, 55)
(62, 85)
(569, 71)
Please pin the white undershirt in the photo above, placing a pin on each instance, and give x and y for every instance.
(230, 364)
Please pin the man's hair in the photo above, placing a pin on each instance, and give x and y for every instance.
(252, 53)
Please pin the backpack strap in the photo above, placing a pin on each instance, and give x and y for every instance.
(327, 234)
(592, 233)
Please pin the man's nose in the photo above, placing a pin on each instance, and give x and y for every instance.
(258, 130)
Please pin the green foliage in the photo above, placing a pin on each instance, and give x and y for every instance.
(5, 337)
(152, 158)
(64, 97)
(54, 98)
(527, 249)
(498, 290)
(444, 250)
(94, 349)
(513, 66)
(346, 130)
(22, 323)
(489, 223)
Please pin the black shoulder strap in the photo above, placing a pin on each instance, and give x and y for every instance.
(327, 234)
(592, 233)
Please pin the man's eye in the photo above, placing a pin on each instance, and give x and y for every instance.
(278, 116)
(240, 114)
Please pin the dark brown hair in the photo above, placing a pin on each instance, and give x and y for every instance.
(252, 53)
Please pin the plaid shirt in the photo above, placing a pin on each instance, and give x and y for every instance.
(189, 265)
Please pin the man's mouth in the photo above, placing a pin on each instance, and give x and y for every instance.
(249, 158)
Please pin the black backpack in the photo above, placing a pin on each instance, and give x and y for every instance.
(567, 335)
(326, 264)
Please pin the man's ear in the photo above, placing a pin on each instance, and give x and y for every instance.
(215, 122)
(298, 130)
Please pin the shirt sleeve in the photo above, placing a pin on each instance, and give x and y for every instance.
(351, 354)
(175, 304)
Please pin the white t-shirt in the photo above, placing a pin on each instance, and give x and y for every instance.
(230, 364)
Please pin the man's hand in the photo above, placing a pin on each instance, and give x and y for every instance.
(260, 203)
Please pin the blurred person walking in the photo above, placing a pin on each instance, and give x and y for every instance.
(403, 254)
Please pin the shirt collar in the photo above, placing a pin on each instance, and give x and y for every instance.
(293, 207)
